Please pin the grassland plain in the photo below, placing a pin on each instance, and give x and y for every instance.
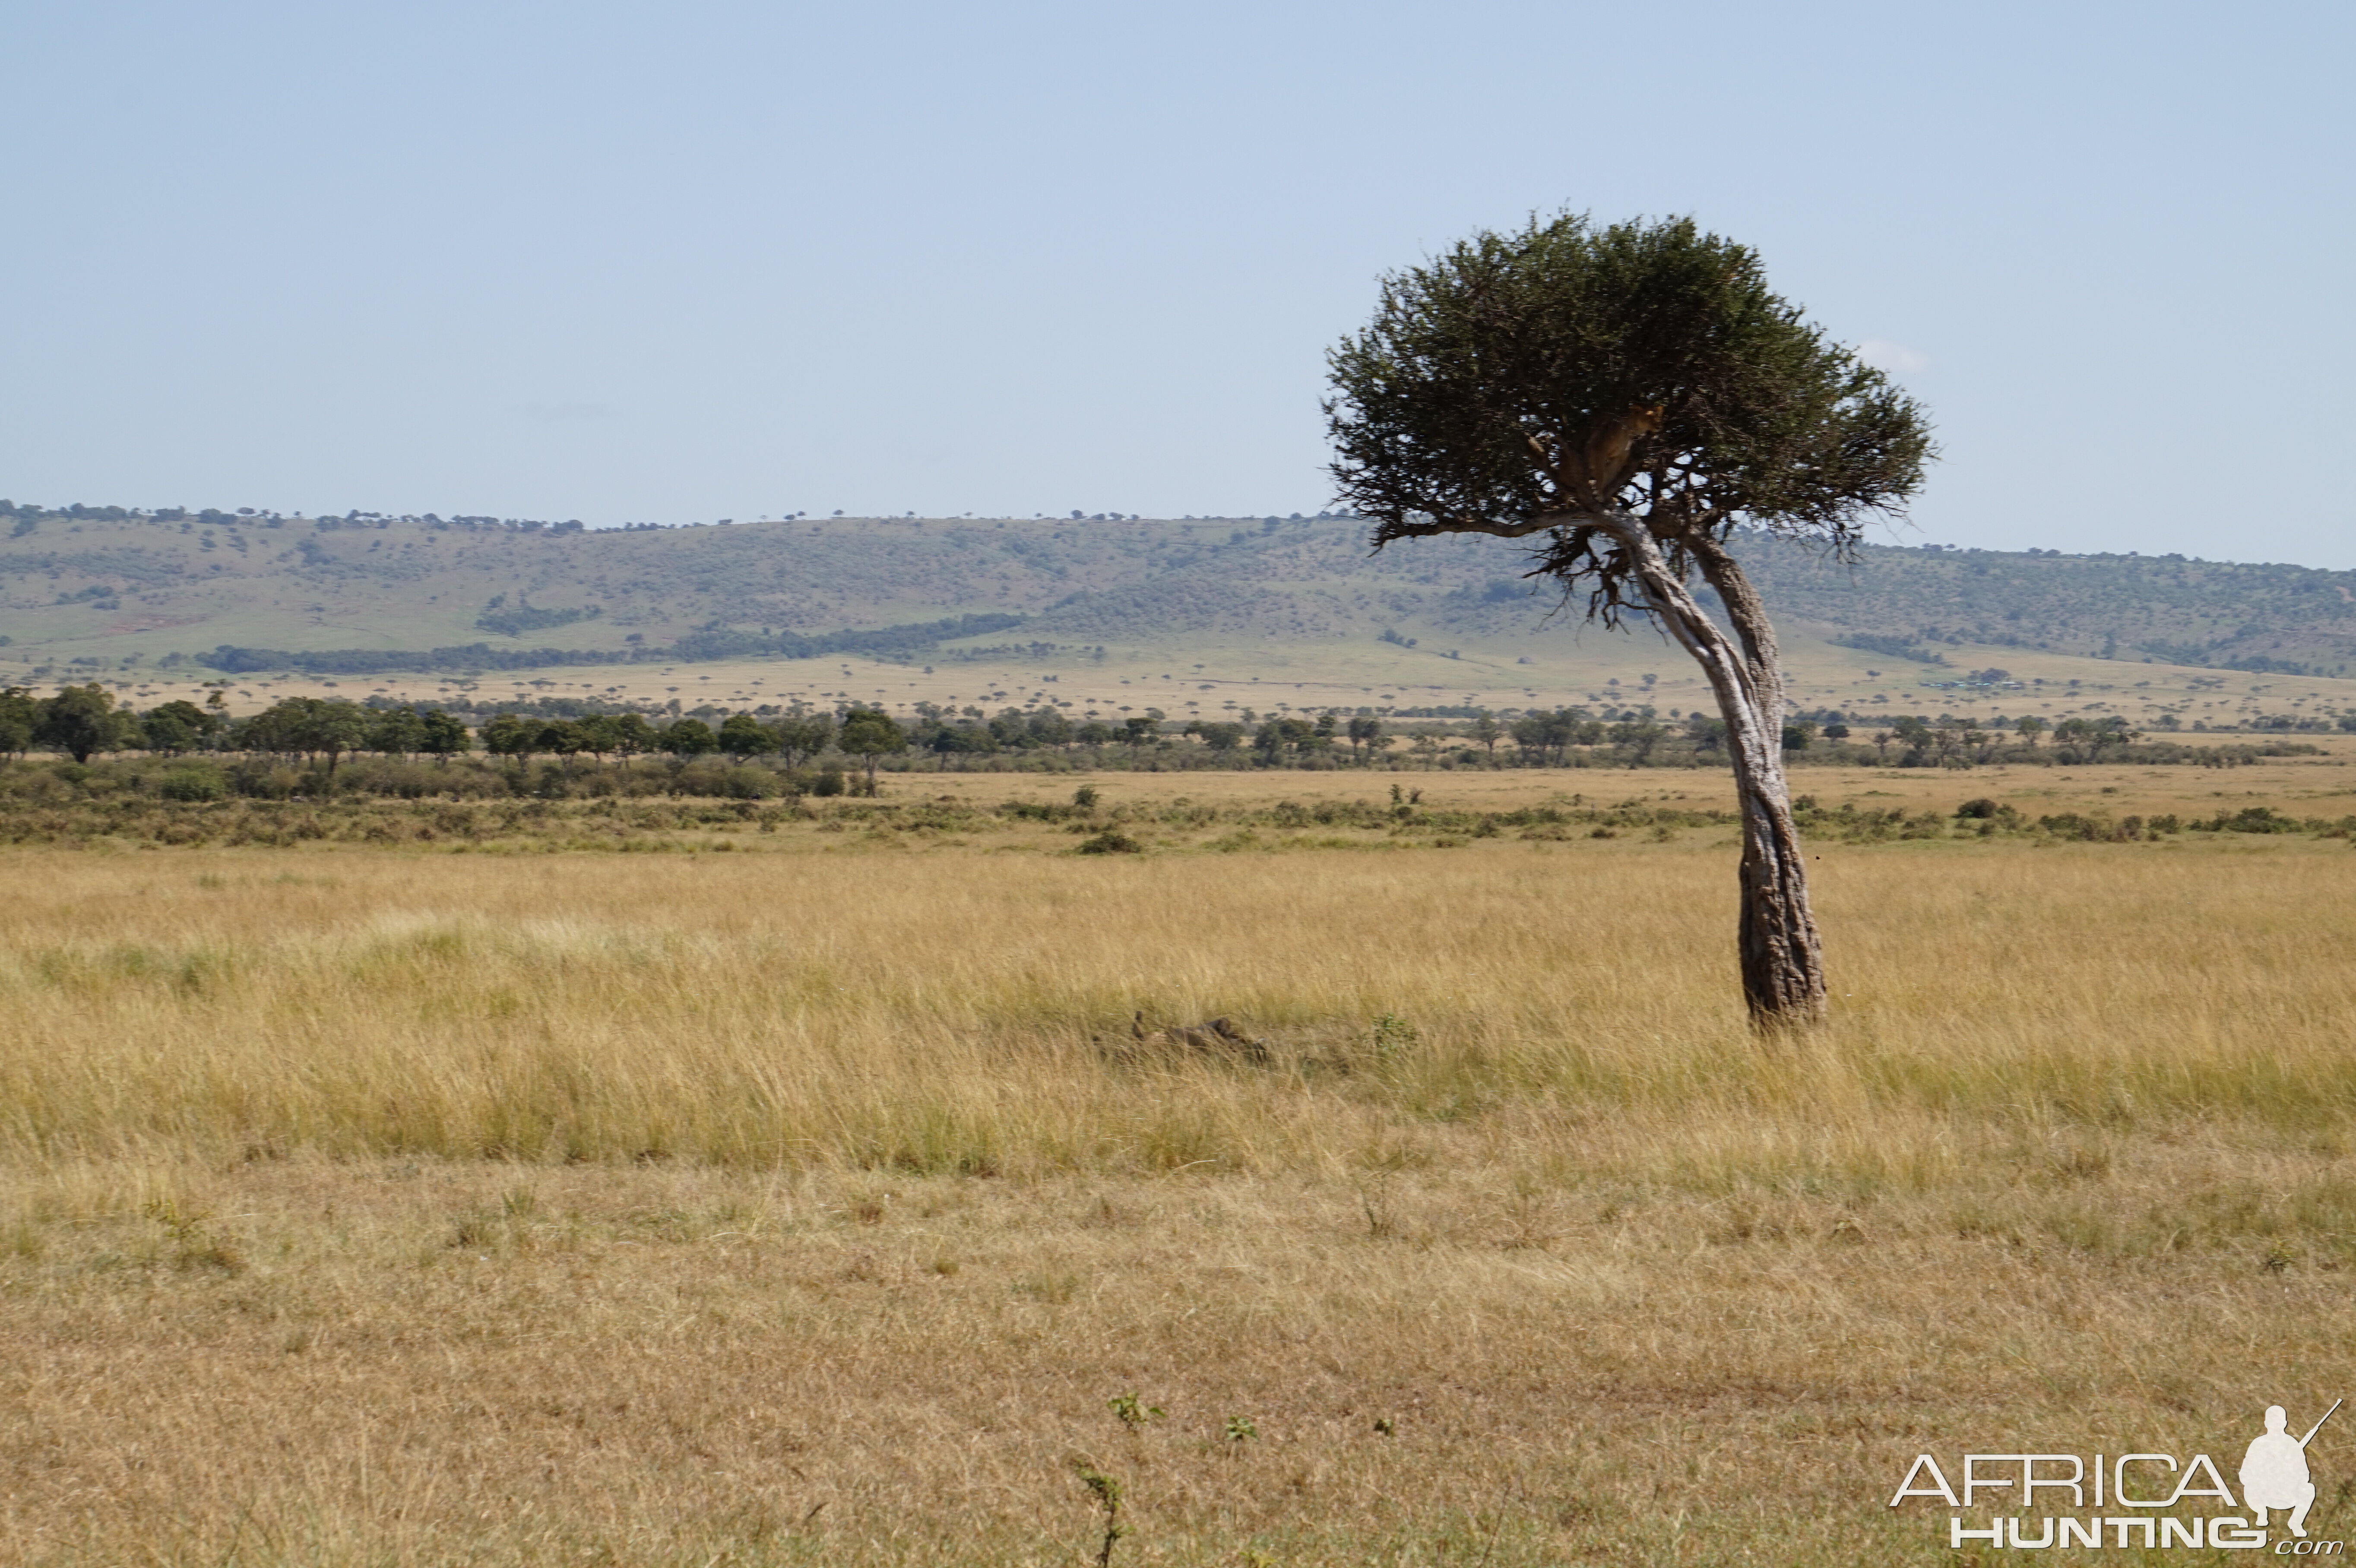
(367, 1204)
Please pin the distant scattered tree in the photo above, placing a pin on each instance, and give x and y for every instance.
(80, 721)
(1277, 737)
(21, 715)
(329, 727)
(1639, 737)
(2029, 727)
(742, 737)
(508, 736)
(562, 738)
(1543, 736)
(2094, 734)
(688, 738)
(442, 736)
(176, 726)
(1048, 727)
(396, 732)
(1630, 396)
(868, 734)
(801, 736)
(950, 740)
(1362, 731)
(1218, 735)
(629, 735)
(599, 734)
(1488, 731)
(325, 727)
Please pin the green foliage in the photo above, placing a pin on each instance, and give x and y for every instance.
(1108, 1493)
(802, 736)
(81, 721)
(1522, 381)
(514, 621)
(176, 726)
(1134, 1412)
(685, 738)
(1111, 842)
(508, 736)
(2251, 819)
(1241, 1429)
(1394, 1036)
(20, 716)
(868, 734)
(307, 726)
(193, 782)
(742, 736)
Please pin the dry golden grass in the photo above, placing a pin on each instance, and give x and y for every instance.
(369, 1207)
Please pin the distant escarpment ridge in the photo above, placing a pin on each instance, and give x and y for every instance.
(717, 643)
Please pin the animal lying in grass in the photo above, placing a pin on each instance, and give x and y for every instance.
(1217, 1037)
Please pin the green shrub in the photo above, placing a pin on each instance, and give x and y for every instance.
(195, 781)
(748, 784)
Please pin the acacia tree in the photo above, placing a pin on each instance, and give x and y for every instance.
(81, 720)
(869, 733)
(1626, 398)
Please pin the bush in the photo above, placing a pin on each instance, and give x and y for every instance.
(259, 778)
(2255, 819)
(748, 784)
(1111, 842)
(193, 782)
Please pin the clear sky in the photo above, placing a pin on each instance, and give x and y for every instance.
(689, 261)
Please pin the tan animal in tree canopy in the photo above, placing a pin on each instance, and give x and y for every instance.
(1601, 466)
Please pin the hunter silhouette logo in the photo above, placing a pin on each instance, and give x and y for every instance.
(2273, 1472)
(2274, 1478)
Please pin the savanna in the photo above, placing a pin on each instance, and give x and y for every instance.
(816, 1201)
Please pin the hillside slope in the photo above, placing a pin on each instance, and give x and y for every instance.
(100, 585)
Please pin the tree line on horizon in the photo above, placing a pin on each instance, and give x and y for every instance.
(816, 747)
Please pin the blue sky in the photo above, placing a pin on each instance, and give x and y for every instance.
(695, 260)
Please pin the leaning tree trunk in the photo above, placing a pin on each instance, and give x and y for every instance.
(1782, 959)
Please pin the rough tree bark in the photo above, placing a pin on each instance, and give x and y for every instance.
(1782, 956)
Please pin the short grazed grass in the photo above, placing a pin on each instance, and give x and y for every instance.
(368, 1206)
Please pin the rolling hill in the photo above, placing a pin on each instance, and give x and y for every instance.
(1193, 616)
(107, 584)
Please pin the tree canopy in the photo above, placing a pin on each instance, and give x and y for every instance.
(82, 720)
(1521, 382)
